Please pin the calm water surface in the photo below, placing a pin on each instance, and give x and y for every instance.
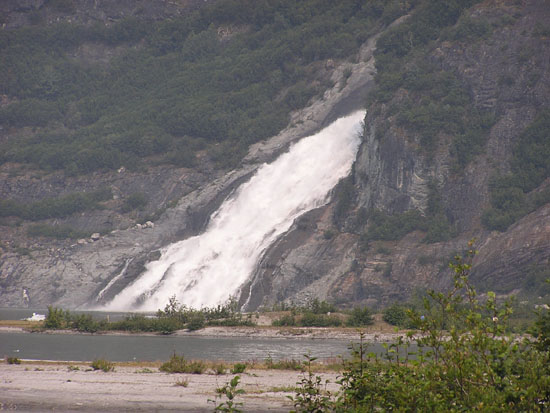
(74, 347)
(77, 347)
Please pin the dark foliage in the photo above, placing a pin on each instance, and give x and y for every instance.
(512, 195)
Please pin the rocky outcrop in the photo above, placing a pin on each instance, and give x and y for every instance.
(505, 77)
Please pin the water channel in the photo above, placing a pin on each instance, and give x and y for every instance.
(86, 347)
(77, 347)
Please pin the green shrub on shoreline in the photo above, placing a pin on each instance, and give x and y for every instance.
(463, 359)
(173, 317)
(178, 364)
(102, 364)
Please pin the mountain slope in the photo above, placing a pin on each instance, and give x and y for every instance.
(176, 103)
(453, 126)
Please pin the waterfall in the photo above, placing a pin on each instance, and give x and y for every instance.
(207, 269)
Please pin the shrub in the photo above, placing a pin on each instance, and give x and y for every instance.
(229, 391)
(182, 383)
(311, 394)
(219, 368)
(465, 359)
(59, 207)
(309, 319)
(287, 320)
(238, 368)
(196, 321)
(397, 315)
(56, 231)
(360, 317)
(102, 364)
(284, 364)
(196, 367)
(13, 360)
(56, 318)
(178, 364)
(393, 227)
(85, 323)
(137, 200)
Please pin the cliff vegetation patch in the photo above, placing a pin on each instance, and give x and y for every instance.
(513, 195)
(176, 86)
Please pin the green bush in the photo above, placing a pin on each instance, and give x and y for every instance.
(85, 323)
(137, 200)
(360, 317)
(397, 315)
(102, 364)
(287, 320)
(13, 360)
(284, 364)
(393, 227)
(311, 394)
(56, 318)
(196, 321)
(138, 322)
(344, 194)
(309, 319)
(238, 368)
(541, 331)
(178, 364)
(229, 391)
(56, 207)
(56, 231)
(465, 359)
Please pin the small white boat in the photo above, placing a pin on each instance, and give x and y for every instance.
(36, 317)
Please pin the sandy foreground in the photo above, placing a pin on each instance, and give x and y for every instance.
(38, 386)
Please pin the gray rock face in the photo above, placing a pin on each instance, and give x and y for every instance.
(392, 174)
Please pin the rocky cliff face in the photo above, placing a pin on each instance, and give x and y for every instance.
(324, 255)
(507, 75)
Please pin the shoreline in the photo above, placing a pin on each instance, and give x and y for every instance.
(313, 333)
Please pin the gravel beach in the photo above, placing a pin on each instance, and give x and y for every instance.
(39, 386)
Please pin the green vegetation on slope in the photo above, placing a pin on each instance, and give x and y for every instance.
(55, 207)
(179, 86)
(436, 102)
(433, 222)
(511, 194)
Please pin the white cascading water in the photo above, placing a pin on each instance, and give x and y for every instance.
(207, 269)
